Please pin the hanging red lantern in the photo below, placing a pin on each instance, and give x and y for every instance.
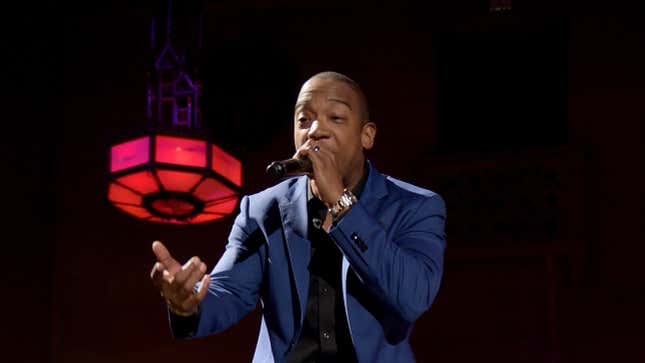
(165, 178)
(170, 175)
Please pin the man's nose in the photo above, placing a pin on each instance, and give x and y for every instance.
(317, 130)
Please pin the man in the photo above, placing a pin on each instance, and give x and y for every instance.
(343, 259)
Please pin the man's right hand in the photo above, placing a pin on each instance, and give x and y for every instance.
(175, 282)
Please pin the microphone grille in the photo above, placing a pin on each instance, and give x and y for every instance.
(276, 170)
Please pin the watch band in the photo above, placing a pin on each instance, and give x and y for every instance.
(346, 200)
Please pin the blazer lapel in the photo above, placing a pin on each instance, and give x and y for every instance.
(293, 210)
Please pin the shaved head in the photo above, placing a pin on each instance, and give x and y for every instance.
(339, 77)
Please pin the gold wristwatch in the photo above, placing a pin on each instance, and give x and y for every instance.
(346, 200)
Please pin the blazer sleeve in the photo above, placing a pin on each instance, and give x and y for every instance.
(235, 280)
(403, 268)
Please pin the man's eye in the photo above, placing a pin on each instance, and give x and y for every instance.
(336, 118)
(302, 120)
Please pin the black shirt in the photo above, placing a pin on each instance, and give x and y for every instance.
(325, 334)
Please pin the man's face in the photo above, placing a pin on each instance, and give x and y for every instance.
(328, 114)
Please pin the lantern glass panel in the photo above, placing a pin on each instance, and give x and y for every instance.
(210, 190)
(143, 182)
(205, 217)
(180, 151)
(133, 210)
(130, 154)
(227, 166)
(224, 207)
(178, 181)
(119, 194)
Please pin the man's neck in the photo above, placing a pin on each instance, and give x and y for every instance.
(356, 178)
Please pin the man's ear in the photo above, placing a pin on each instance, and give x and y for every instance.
(368, 133)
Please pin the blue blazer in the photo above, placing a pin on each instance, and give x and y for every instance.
(393, 245)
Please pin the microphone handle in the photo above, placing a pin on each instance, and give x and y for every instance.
(288, 167)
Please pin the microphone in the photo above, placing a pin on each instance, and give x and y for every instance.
(289, 167)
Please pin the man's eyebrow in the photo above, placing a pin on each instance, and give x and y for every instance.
(340, 101)
(303, 103)
(299, 104)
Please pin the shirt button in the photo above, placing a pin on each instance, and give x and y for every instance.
(325, 334)
(324, 291)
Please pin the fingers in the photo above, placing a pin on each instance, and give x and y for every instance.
(196, 274)
(177, 289)
(178, 280)
(162, 280)
(189, 274)
(301, 153)
(322, 160)
(175, 282)
(329, 182)
(203, 288)
(188, 304)
(187, 269)
(163, 256)
(318, 155)
(157, 274)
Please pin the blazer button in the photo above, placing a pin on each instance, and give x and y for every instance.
(359, 242)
